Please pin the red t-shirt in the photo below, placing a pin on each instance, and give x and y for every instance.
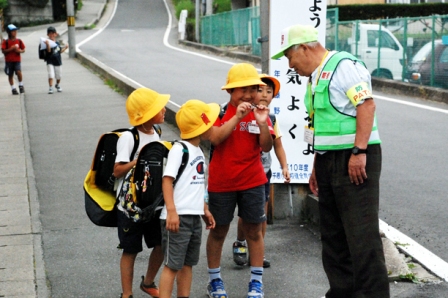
(236, 163)
(12, 56)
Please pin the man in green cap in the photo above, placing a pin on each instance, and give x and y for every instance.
(343, 131)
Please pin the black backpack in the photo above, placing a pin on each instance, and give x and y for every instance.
(142, 185)
(99, 195)
(42, 53)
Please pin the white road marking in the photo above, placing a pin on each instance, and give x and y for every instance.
(403, 102)
(166, 43)
(429, 260)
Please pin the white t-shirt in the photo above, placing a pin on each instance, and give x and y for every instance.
(125, 145)
(189, 190)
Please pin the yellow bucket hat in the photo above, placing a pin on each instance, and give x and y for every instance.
(242, 75)
(273, 80)
(143, 104)
(195, 117)
(296, 34)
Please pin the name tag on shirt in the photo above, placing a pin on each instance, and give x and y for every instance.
(253, 127)
(308, 135)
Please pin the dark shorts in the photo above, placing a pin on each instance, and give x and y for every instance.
(12, 67)
(267, 186)
(182, 248)
(130, 233)
(250, 205)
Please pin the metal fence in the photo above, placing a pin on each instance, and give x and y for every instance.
(407, 49)
(233, 28)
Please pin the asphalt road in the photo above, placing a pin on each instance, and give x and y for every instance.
(81, 259)
(413, 185)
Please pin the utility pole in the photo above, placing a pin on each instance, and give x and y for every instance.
(209, 7)
(197, 17)
(71, 28)
(264, 39)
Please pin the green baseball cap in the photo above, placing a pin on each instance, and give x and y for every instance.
(296, 34)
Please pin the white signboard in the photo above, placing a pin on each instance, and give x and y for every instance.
(289, 106)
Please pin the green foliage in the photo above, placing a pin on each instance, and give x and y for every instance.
(185, 4)
(410, 277)
(222, 6)
(3, 4)
(391, 11)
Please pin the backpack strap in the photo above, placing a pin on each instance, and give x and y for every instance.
(136, 142)
(183, 165)
(157, 129)
(134, 132)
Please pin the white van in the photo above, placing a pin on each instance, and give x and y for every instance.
(364, 45)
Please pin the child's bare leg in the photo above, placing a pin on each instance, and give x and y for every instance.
(127, 272)
(184, 279)
(154, 263)
(166, 282)
(19, 75)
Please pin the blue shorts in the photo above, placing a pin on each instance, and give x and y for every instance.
(250, 205)
(130, 233)
(12, 67)
(182, 248)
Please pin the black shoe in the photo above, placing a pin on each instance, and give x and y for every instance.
(266, 263)
(21, 89)
(121, 296)
(239, 253)
(14, 91)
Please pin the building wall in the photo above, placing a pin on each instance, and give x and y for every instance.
(22, 13)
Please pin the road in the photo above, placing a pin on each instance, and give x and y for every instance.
(81, 260)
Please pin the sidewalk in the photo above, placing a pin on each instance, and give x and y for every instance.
(22, 269)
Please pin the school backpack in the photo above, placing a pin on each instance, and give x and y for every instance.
(99, 195)
(141, 192)
(42, 53)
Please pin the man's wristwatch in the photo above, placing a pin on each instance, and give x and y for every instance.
(356, 151)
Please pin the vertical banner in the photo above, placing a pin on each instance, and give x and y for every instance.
(288, 105)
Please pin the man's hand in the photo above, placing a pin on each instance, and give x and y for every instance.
(313, 184)
(357, 168)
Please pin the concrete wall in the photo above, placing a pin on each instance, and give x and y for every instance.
(22, 13)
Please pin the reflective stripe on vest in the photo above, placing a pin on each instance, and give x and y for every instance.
(332, 129)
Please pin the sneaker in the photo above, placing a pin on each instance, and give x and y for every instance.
(50, 91)
(215, 289)
(152, 290)
(58, 88)
(21, 89)
(14, 91)
(255, 289)
(239, 253)
(266, 263)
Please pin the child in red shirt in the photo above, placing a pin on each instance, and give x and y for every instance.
(12, 48)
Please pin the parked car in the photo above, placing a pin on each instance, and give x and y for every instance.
(419, 68)
(364, 44)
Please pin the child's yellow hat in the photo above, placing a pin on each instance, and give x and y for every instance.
(242, 75)
(143, 104)
(273, 80)
(195, 117)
